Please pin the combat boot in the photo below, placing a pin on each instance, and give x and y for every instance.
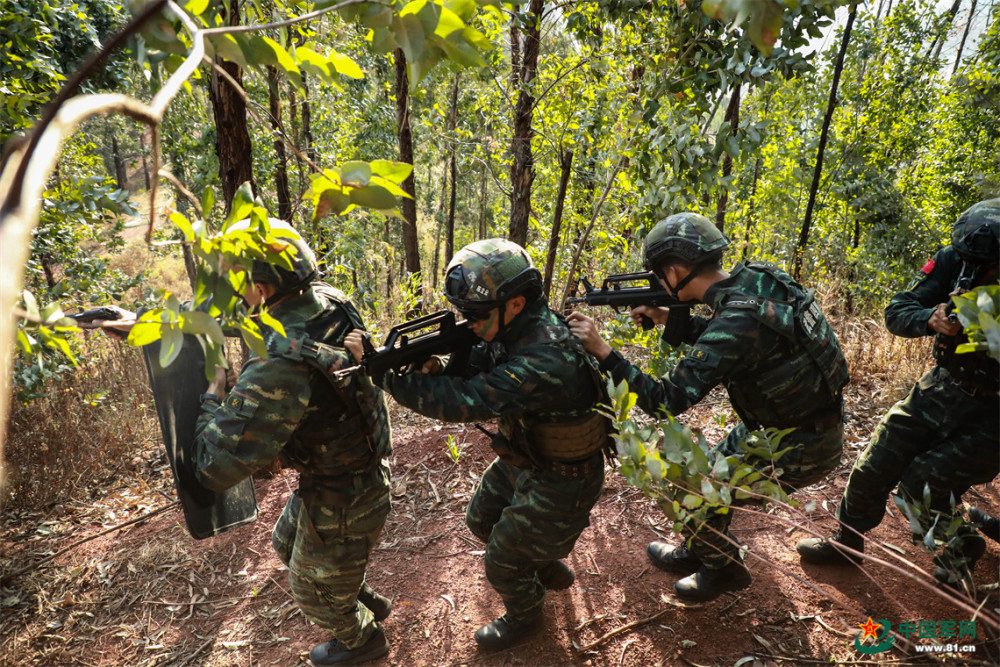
(706, 585)
(379, 605)
(987, 525)
(673, 559)
(556, 576)
(821, 551)
(335, 652)
(504, 633)
(956, 572)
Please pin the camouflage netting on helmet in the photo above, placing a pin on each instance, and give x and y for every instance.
(486, 273)
(684, 237)
(975, 235)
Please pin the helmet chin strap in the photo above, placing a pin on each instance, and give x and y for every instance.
(676, 291)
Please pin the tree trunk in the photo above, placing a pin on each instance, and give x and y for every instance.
(142, 152)
(935, 48)
(190, 266)
(831, 105)
(410, 245)
(566, 166)
(439, 217)
(307, 121)
(281, 164)
(753, 206)
(449, 245)
(733, 116)
(965, 35)
(121, 178)
(293, 115)
(482, 204)
(522, 171)
(515, 56)
(388, 261)
(232, 143)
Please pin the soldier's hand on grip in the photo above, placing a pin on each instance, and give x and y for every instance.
(355, 344)
(940, 323)
(655, 313)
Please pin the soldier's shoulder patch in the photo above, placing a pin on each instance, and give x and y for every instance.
(707, 357)
(241, 405)
(928, 267)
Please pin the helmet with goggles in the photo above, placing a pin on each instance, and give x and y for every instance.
(485, 274)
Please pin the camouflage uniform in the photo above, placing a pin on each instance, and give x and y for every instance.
(537, 380)
(944, 435)
(529, 509)
(772, 348)
(339, 440)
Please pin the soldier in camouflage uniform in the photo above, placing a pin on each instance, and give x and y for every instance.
(943, 436)
(535, 378)
(768, 343)
(336, 434)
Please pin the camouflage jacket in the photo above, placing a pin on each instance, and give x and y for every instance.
(537, 371)
(284, 405)
(908, 312)
(767, 342)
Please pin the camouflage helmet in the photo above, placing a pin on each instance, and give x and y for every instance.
(976, 233)
(487, 273)
(685, 237)
(304, 267)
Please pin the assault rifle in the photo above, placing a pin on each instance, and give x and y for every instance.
(620, 291)
(965, 281)
(441, 334)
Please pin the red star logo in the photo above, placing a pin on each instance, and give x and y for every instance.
(870, 629)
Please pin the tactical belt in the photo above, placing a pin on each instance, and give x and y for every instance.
(570, 441)
(576, 469)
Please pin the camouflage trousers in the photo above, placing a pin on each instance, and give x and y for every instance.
(812, 456)
(940, 438)
(326, 551)
(528, 519)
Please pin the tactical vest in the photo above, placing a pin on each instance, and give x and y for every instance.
(770, 398)
(361, 437)
(562, 437)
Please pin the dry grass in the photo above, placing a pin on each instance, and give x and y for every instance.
(90, 424)
(164, 269)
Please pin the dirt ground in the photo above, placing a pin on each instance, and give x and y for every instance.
(148, 594)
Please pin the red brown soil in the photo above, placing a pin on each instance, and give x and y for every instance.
(150, 595)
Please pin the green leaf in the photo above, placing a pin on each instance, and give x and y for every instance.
(355, 173)
(196, 7)
(267, 319)
(345, 66)
(373, 196)
(314, 63)
(242, 204)
(253, 337)
(409, 35)
(172, 340)
(197, 322)
(282, 59)
(207, 201)
(765, 25)
(232, 47)
(183, 224)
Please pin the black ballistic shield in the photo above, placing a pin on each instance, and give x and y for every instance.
(176, 389)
